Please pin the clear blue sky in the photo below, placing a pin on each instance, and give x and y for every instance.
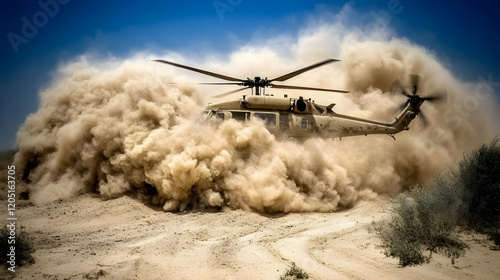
(463, 34)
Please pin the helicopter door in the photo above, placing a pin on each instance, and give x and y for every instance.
(284, 123)
(301, 125)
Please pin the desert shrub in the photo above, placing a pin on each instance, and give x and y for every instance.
(427, 219)
(23, 248)
(400, 235)
(293, 273)
(479, 177)
(6, 159)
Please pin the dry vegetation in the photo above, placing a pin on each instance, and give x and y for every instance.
(429, 219)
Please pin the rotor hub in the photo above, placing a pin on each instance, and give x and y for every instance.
(414, 99)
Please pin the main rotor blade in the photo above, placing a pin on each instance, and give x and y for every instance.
(221, 84)
(302, 70)
(309, 88)
(227, 78)
(229, 92)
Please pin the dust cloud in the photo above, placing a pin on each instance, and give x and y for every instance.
(122, 126)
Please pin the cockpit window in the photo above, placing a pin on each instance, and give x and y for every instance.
(205, 115)
(269, 119)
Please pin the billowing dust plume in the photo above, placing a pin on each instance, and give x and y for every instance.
(120, 127)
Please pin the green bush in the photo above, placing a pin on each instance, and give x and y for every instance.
(479, 177)
(293, 273)
(427, 219)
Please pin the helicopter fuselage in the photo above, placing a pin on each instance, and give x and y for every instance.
(304, 118)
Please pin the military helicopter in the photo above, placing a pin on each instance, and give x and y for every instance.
(300, 117)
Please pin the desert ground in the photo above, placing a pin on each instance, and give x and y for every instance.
(86, 237)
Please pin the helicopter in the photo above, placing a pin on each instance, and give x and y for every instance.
(301, 117)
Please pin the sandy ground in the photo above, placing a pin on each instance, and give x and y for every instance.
(88, 238)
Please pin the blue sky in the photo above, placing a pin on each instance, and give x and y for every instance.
(462, 34)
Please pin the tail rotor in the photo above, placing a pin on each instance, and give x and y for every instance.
(409, 86)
